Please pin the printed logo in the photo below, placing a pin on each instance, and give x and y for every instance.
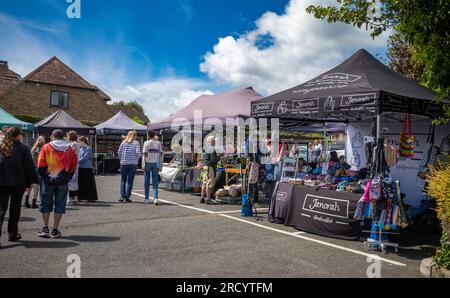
(281, 196)
(305, 104)
(74, 9)
(74, 269)
(326, 206)
(357, 99)
(330, 104)
(282, 108)
(333, 78)
(262, 108)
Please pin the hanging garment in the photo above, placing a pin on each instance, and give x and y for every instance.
(430, 152)
(391, 155)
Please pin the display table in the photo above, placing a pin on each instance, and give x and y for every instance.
(323, 212)
(193, 178)
(168, 174)
(233, 173)
(108, 166)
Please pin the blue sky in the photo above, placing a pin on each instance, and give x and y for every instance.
(164, 53)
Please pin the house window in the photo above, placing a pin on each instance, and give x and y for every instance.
(59, 99)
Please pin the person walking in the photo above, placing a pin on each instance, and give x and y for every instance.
(17, 172)
(56, 165)
(129, 154)
(87, 189)
(210, 160)
(72, 138)
(152, 160)
(34, 189)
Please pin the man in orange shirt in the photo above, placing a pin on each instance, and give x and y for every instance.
(57, 164)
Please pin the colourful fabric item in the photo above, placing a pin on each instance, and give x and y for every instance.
(407, 140)
(57, 163)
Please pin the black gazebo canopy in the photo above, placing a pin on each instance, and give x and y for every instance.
(358, 89)
(61, 120)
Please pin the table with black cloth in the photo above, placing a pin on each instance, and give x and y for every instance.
(318, 211)
(193, 178)
(108, 166)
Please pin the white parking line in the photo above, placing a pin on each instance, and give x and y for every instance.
(237, 211)
(292, 234)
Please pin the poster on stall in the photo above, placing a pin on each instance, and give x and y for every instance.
(406, 170)
(355, 147)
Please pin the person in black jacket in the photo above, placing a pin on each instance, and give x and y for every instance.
(16, 174)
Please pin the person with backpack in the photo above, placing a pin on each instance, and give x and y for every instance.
(57, 164)
(129, 154)
(153, 157)
(17, 172)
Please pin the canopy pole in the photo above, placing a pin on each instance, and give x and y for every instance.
(378, 124)
(96, 153)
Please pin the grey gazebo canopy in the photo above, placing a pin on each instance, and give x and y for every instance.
(119, 125)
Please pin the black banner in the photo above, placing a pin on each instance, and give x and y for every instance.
(323, 212)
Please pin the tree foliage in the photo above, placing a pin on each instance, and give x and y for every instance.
(423, 24)
(130, 104)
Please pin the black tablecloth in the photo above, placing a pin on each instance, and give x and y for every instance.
(193, 178)
(108, 166)
(323, 212)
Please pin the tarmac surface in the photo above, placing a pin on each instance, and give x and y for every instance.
(183, 238)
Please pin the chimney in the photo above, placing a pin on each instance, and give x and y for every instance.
(3, 68)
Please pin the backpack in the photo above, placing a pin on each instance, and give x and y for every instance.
(247, 206)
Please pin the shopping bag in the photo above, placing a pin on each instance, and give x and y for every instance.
(407, 140)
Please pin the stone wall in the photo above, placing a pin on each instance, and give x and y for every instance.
(33, 99)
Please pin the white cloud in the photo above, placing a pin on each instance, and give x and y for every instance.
(98, 63)
(161, 97)
(302, 47)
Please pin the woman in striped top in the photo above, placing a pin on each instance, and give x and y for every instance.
(129, 154)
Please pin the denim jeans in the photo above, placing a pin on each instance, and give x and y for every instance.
(127, 173)
(53, 196)
(151, 170)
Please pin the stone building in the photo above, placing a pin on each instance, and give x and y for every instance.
(53, 86)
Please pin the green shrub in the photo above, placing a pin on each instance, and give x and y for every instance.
(439, 189)
(29, 118)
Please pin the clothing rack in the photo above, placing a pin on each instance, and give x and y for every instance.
(380, 169)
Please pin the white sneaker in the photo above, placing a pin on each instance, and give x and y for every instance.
(146, 201)
(155, 202)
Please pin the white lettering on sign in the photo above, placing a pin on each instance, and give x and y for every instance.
(327, 206)
(333, 78)
(281, 196)
(357, 99)
(324, 206)
(263, 107)
(309, 104)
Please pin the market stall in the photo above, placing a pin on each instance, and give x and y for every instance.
(365, 96)
(62, 120)
(318, 211)
(224, 107)
(109, 137)
(8, 120)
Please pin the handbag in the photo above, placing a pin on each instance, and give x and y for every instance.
(407, 140)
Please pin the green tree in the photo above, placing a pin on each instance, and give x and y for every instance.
(424, 24)
(130, 104)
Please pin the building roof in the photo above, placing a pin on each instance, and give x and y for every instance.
(54, 72)
(8, 78)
